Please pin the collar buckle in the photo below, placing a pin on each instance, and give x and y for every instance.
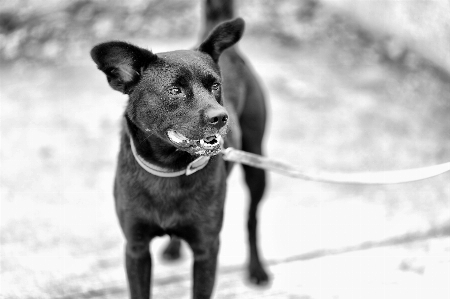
(197, 164)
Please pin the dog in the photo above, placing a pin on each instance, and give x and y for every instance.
(184, 106)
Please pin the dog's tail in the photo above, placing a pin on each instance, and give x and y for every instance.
(217, 11)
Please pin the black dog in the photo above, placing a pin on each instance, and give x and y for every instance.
(170, 176)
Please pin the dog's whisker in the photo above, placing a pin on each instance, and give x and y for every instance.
(146, 138)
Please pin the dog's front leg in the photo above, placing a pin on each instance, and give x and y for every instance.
(205, 263)
(137, 256)
(138, 266)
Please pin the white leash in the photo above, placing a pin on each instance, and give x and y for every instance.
(238, 156)
(371, 178)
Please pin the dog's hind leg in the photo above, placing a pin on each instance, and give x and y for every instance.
(256, 180)
(252, 134)
(172, 250)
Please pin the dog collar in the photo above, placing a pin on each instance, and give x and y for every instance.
(193, 167)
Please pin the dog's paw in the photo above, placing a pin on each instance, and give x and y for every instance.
(258, 276)
(172, 251)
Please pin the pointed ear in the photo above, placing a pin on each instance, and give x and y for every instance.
(122, 63)
(223, 36)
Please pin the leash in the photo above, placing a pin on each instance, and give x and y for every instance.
(370, 178)
(238, 156)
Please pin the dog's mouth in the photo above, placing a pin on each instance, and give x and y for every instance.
(208, 146)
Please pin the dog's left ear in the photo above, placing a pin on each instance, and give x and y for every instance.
(223, 36)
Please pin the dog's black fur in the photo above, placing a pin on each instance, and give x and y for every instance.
(194, 93)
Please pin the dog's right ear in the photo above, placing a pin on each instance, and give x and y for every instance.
(122, 63)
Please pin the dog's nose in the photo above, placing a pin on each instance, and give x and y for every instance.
(217, 117)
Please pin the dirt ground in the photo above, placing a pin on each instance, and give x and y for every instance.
(333, 105)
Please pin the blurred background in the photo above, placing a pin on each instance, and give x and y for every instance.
(351, 86)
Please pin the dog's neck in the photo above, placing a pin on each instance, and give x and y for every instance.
(156, 151)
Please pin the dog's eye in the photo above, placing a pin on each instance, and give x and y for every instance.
(216, 86)
(174, 91)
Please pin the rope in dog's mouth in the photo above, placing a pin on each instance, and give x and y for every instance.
(207, 146)
(371, 178)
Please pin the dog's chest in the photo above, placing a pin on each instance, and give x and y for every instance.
(170, 203)
(165, 219)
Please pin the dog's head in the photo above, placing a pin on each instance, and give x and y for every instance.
(176, 95)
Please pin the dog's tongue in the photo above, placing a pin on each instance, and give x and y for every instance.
(177, 137)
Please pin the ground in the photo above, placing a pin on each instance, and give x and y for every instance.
(333, 105)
